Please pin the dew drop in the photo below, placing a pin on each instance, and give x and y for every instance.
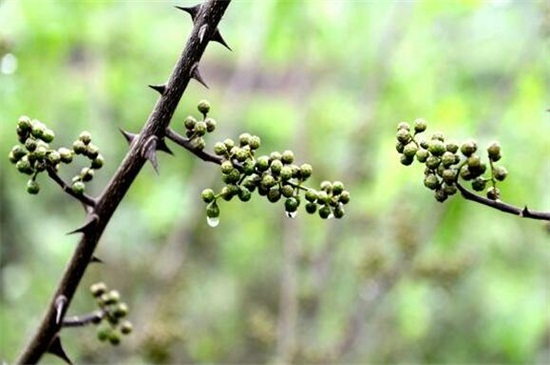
(330, 216)
(291, 214)
(212, 222)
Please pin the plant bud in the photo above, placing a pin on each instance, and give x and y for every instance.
(432, 162)
(229, 144)
(38, 129)
(262, 163)
(220, 149)
(78, 187)
(286, 173)
(200, 128)
(121, 310)
(226, 167)
(267, 181)
(79, 147)
(468, 147)
(337, 187)
(98, 162)
(276, 167)
(24, 123)
(254, 142)
(406, 160)
(479, 183)
(54, 157)
(306, 170)
(208, 195)
(241, 154)
(494, 151)
(244, 139)
(344, 197)
(244, 195)
(287, 157)
(274, 194)
(48, 135)
(420, 125)
(210, 125)
(493, 193)
(203, 106)
(86, 174)
(98, 289)
(85, 137)
(66, 155)
(339, 212)
(33, 187)
(189, 123)
(403, 136)
(403, 125)
(452, 147)
(500, 173)
(431, 182)
(422, 155)
(410, 150)
(326, 186)
(31, 144)
(24, 166)
(126, 327)
(448, 159)
(437, 147)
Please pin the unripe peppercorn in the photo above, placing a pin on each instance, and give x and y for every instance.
(104, 333)
(324, 212)
(212, 210)
(66, 155)
(114, 338)
(406, 160)
(474, 161)
(311, 207)
(287, 191)
(33, 187)
(54, 157)
(24, 123)
(98, 162)
(494, 151)
(85, 137)
(126, 327)
(410, 150)
(437, 147)
(449, 176)
(31, 144)
(276, 167)
(220, 149)
(431, 182)
(17, 151)
(306, 170)
(189, 122)
(244, 139)
(448, 159)
(48, 135)
(479, 183)
(98, 289)
(24, 166)
(254, 142)
(468, 147)
(226, 167)
(403, 125)
(229, 143)
(286, 173)
(203, 106)
(267, 181)
(311, 195)
(79, 147)
(422, 155)
(322, 197)
(420, 125)
(287, 157)
(337, 187)
(493, 193)
(326, 186)
(200, 128)
(210, 125)
(465, 173)
(344, 197)
(92, 151)
(241, 154)
(432, 162)
(38, 129)
(78, 187)
(403, 136)
(233, 177)
(275, 155)
(291, 204)
(500, 172)
(208, 195)
(273, 195)
(262, 163)
(452, 147)
(244, 195)
(339, 212)
(449, 189)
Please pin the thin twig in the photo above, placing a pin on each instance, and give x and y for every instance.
(503, 207)
(85, 199)
(186, 143)
(209, 16)
(76, 321)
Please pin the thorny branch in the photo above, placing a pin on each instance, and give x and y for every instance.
(206, 20)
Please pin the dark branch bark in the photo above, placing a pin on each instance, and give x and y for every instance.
(186, 143)
(209, 15)
(503, 207)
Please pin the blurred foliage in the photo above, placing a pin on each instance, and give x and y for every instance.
(402, 279)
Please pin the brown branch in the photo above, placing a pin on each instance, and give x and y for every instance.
(80, 321)
(85, 199)
(206, 23)
(186, 143)
(503, 207)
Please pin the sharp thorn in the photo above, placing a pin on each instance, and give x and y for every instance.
(128, 136)
(150, 152)
(162, 146)
(195, 74)
(97, 260)
(192, 10)
(90, 223)
(217, 37)
(60, 306)
(524, 212)
(56, 348)
(158, 88)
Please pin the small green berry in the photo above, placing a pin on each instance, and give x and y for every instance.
(104, 333)
(244, 195)
(267, 181)
(24, 123)
(233, 177)
(410, 150)
(79, 147)
(474, 161)
(493, 193)
(479, 183)
(121, 310)
(16, 153)
(420, 125)
(275, 155)
(406, 160)
(468, 147)
(189, 123)
(220, 149)
(274, 194)
(344, 197)
(24, 166)
(311, 195)
(287, 191)
(262, 163)
(291, 204)
(203, 106)
(432, 162)
(324, 212)
(311, 208)
(403, 125)
(322, 197)
(276, 167)
(85, 137)
(465, 173)
(98, 289)
(254, 142)
(229, 143)
(226, 167)
(440, 195)
(437, 147)
(31, 144)
(452, 147)
(500, 173)
(66, 155)
(399, 147)
(494, 151)
(326, 186)
(449, 176)
(78, 187)
(212, 210)
(210, 125)
(431, 182)
(339, 212)
(200, 128)
(208, 195)
(286, 172)
(438, 136)
(448, 159)
(422, 155)
(241, 154)
(337, 187)
(244, 139)
(38, 129)
(33, 187)
(306, 170)
(403, 136)
(86, 174)
(98, 162)
(114, 338)
(54, 157)
(287, 157)
(48, 135)
(126, 327)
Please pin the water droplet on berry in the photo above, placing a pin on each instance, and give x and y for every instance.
(291, 214)
(213, 222)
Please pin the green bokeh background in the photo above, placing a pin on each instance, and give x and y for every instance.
(402, 279)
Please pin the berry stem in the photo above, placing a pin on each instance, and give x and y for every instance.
(80, 321)
(84, 199)
(186, 143)
(503, 207)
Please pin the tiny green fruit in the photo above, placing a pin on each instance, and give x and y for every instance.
(33, 187)
(203, 106)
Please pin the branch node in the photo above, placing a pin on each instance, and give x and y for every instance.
(195, 74)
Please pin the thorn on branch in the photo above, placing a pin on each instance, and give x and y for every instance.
(149, 151)
(158, 88)
(96, 260)
(128, 136)
(216, 37)
(162, 146)
(195, 74)
(89, 225)
(56, 348)
(191, 10)
(60, 308)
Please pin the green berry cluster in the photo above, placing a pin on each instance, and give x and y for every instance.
(274, 176)
(447, 162)
(114, 311)
(35, 154)
(196, 129)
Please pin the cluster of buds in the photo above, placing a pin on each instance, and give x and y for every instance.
(35, 155)
(274, 176)
(446, 161)
(196, 129)
(112, 313)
